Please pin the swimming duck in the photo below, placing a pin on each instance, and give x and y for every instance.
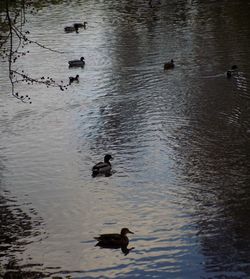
(103, 167)
(169, 65)
(234, 68)
(81, 25)
(77, 63)
(114, 239)
(72, 79)
(73, 28)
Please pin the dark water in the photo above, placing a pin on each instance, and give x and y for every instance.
(180, 142)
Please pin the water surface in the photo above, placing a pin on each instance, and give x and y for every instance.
(180, 142)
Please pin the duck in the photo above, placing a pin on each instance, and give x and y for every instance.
(169, 65)
(233, 69)
(77, 63)
(114, 239)
(156, 3)
(72, 79)
(81, 25)
(73, 28)
(103, 167)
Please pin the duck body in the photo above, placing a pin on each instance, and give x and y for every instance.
(229, 74)
(72, 79)
(81, 25)
(70, 29)
(169, 65)
(77, 63)
(114, 240)
(103, 167)
(233, 70)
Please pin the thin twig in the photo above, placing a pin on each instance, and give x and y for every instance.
(15, 27)
(26, 39)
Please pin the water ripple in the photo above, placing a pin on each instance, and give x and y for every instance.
(179, 138)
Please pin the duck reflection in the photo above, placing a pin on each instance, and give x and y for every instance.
(115, 241)
(124, 248)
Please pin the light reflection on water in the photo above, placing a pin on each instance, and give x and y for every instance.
(180, 141)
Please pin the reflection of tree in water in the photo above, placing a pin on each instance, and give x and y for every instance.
(213, 154)
(122, 115)
(214, 161)
(16, 228)
(225, 241)
(216, 169)
(222, 222)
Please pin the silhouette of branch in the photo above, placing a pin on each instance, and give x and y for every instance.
(21, 36)
(49, 82)
(14, 21)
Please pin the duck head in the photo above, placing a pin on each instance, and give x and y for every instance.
(125, 231)
(107, 158)
(82, 59)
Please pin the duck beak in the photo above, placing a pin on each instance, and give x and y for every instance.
(130, 232)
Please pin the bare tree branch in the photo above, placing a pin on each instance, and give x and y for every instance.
(15, 20)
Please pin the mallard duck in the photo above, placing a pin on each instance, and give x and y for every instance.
(114, 239)
(72, 79)
(77, 63)
(169, 65)
(103, 167)
(233, 69)
(73, 28)
(81, 25)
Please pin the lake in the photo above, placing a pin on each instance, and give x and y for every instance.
(180, 140)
